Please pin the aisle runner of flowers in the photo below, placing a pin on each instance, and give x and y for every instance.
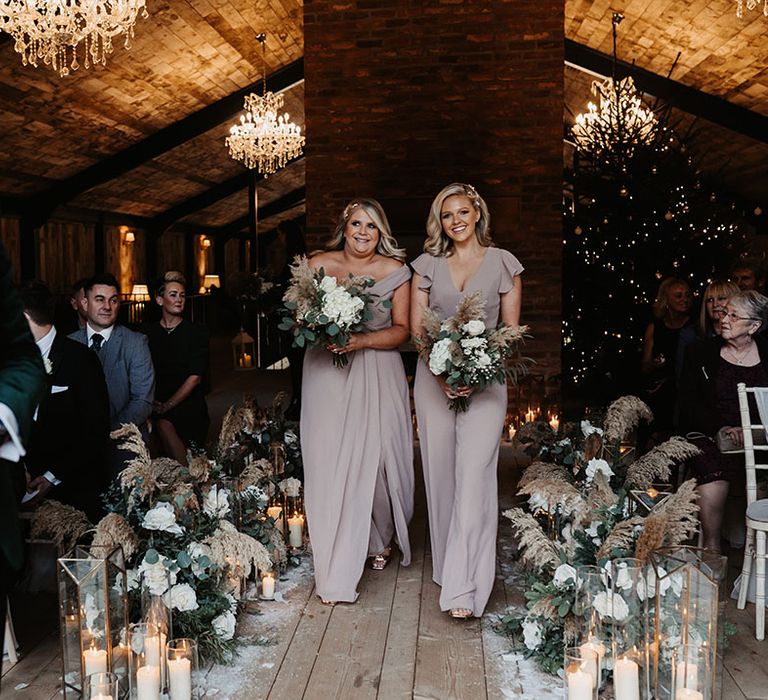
(194, 536)
(590, 502)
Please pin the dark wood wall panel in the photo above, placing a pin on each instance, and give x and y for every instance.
(67, 253)
(9, 235)
(126, 261)
(170, 254)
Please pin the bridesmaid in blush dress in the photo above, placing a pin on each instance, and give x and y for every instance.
(459, 451)
(356, 433)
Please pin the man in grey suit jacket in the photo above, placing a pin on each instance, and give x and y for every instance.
(124, 354)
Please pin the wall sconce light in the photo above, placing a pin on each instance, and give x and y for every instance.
(206, 242)
(140, 292)
(130, 237)
(208, 282)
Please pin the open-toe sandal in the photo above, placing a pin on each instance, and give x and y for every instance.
(460, 613)
(381, 560)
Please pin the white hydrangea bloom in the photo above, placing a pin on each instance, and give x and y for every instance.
(156, 577)
(438, 358)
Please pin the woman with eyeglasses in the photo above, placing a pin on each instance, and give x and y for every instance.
(715, 297)
(709, 404)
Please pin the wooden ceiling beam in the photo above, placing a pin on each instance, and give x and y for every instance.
(273, 208)
(205, 199)
(713, 109)
(40, 206)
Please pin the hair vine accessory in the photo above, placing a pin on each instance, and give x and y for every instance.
(350, 207)
(473, 195)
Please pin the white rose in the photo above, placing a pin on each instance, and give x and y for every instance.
(598, 465)
(587, 428)
(439, 356)
(610, 605)
(563, 574)
(48, 365)
(532, 633)
(156, 577)
(182, 597)
(216, 502)
(224, 625)
(162, 517)
(328, 284)
(475, 327)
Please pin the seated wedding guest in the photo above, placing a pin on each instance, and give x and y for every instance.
(356, 433)
(77, 301)
(124, 355)
(709, 404)
(712, 309)
(748, 274)
(22, 383)
(67, 450)
(179, 351)
(672, 312)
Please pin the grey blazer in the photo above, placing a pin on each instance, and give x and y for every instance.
(130, 375)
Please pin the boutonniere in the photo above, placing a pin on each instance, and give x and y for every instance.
(48, 365)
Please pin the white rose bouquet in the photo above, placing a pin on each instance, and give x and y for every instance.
(319, 310)
(466, 352)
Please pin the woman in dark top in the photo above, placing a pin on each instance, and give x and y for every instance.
(180, 354)
(672, 311)
(709, 402)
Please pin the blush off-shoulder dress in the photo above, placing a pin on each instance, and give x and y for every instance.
(460, 451)
(357, 445)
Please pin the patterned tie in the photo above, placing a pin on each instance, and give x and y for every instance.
(96, 341)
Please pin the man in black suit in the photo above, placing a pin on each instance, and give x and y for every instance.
(67, 451)
(21, 384)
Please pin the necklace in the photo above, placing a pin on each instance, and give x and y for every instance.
(738, 359)
(169, 329)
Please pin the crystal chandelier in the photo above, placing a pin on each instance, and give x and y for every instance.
(50, 31)
(621, 123)
(751, 5)
(264, 139)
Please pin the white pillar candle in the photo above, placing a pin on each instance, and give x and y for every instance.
(153, 649)
(626, 680)
(276, 513)
(295, 530)
(580, 685)
(687, 676)
(594, 667)
(688, 694)
(94, 661)
(148, 683)
(180, 679)
(268, 586)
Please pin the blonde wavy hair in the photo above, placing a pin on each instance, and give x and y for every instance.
(716, 288)
(661, 305)
(438, 243)
(387, 244)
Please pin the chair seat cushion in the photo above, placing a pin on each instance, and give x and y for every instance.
(758, 510)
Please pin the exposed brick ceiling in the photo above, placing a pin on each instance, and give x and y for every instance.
(720, 55)
(191, 53)
(187, 55)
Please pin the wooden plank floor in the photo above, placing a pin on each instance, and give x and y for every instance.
(393, 643)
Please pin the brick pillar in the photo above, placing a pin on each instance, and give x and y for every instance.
(403, 97)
